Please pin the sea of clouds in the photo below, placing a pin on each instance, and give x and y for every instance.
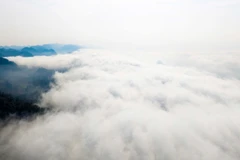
(132, 106)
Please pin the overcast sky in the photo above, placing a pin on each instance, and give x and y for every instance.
(166, 25)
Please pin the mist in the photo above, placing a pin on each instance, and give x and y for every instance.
(146, 80)
(114, 105)
(162, 25)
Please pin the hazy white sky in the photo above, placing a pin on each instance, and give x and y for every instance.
(166, 25)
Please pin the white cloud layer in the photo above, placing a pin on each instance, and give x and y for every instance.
(111, 106)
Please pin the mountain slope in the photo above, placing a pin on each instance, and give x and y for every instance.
(15, 107)
(5, 62)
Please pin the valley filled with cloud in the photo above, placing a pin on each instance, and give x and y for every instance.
(111, 105)
(119, 80)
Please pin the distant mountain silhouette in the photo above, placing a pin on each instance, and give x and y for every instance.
(37, 50)
(8, 52)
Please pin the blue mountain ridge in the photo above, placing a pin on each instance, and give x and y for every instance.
(37, 50)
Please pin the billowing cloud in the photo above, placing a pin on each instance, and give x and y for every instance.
(125, 106)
